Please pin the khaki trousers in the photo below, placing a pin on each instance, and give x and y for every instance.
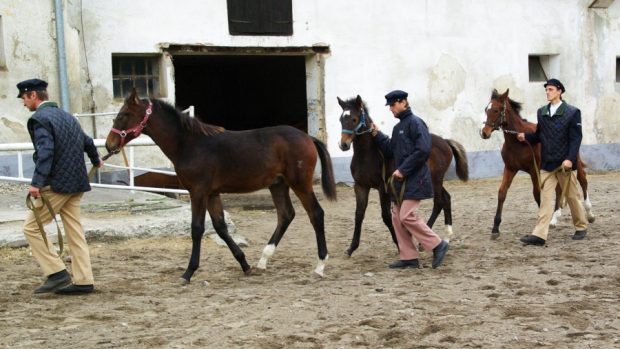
(547, 197)
(408, 226)
(68, 206)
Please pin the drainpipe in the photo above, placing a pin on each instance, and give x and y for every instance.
(62, 58)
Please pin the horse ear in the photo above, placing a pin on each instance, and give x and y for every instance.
(358, 102)
(133, 97)
(505, 94)
(340, 102)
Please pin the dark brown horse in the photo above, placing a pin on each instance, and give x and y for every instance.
(503, 114)
(210, 160)
(370, 169)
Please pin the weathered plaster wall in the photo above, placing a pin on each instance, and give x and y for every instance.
(29, 51)
(448, 54)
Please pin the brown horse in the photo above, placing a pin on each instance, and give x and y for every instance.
(503, 114)
(370, 169)
(210, 160)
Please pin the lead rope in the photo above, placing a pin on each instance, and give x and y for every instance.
(399, 196)
(36, 211)
(563, 183)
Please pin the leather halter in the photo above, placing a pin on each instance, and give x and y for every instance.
(499, 123)
(137, 129)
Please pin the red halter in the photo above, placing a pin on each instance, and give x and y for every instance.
(136, 130)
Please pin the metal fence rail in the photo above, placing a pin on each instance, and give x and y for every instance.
(143, 140)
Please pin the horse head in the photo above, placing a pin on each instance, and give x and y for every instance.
(496, 113)
(128, 123)
(354, 120)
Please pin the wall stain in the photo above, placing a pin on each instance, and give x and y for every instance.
(446, 81)
(606, 128)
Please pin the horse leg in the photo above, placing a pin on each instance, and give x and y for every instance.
(198, 228)
(286, 213)
(557, 210)
(216, 212)
(438, 203)
(361, 203)
(583, 182)
(386, 214)
(507, 178)
(447, 213)
(316, 215)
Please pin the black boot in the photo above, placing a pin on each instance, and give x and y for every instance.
(54, 282)
(580, 234)
(439, 252)
(74, 289)
(533, 240)
(402, 264)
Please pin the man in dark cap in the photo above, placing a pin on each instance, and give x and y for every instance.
(410, 147)
(59, 176)
(559, 133)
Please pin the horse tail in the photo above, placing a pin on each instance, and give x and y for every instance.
(462, 169)
(327, 171)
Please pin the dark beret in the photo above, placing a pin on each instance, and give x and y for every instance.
(31, 85)
(557, 83)
(395, 96)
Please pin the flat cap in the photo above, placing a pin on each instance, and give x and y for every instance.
(395, 96)
(557, 83)
(31, 85)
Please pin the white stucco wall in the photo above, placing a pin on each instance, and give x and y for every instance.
(448, 54)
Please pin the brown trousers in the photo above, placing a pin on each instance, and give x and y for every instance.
(68, 206)
(547, 197)
(409, 226)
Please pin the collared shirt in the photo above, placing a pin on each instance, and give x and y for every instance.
(553, 108)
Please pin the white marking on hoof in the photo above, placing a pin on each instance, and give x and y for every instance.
(588, 206)
(320, 267)
(555, 217)
(267, 253)
(450, 233)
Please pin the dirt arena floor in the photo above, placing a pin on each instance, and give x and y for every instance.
(488, 294)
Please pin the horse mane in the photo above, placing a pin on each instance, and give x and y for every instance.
(191, 124)
(351, 103)
(516, 106)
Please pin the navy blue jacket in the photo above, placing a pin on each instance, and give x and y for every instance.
(559, 135)
(410, 146)
(59, 144)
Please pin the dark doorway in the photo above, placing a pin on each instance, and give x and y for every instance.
(243, 92)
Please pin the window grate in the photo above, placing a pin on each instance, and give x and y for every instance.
(136, 71)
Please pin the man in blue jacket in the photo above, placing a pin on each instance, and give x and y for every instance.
(559, 133)
(60, 176)
(410, 147)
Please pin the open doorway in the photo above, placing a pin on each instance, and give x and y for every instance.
(240, 92)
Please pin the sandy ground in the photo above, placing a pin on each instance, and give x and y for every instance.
(489, 294)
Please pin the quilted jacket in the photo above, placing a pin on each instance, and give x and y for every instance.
(60, 144)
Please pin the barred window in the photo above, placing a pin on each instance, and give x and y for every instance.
(141, 72)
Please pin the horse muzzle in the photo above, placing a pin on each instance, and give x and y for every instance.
(344, 146)
(484, 134)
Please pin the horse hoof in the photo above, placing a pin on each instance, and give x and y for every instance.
(591, 219)
(248, 271)
(183, 281)
(494, 236)
(348, 252)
